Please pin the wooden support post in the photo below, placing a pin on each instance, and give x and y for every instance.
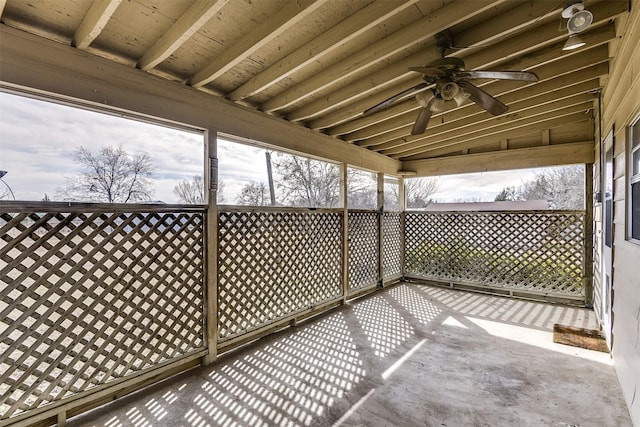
(211, 253)
(61, 419)
(380, 229)
(587, 281)
(402, 205)
(345, 232)
(546, 137)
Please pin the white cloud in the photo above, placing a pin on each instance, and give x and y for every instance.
(38, 139)
(484, 186)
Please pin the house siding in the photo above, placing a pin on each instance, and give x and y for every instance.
(621, 103)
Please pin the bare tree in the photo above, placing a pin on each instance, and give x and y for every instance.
(362, 189)
(220, 198)
(419, 191)
(561, 187)
(110, 175)
(190, 191)
(307, 182)
(507, 194)
(254, 194)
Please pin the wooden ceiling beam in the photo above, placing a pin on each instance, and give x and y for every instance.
(290, 15)
(186, 26)
(554, 155)
(94, 22)
(333, 40)
(402, 39)
(518, 128)
(562, 69)
(345, 116)
(472, 127)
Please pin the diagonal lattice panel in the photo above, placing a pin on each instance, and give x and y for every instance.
(363, 249)
(87, 298)
(274, 263)
(392, 245)
(535, 251)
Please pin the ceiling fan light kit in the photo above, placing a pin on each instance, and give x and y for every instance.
(449, 90)
(425, 97)
(437, 105)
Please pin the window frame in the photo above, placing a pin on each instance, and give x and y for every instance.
(632, 179)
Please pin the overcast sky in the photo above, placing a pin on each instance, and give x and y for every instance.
(38, 139)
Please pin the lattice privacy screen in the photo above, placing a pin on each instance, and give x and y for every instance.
(363, 249)
(536, 251)
(86, 298)
(274, 263)
(392, 244)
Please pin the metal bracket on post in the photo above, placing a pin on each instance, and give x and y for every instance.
(213, 174)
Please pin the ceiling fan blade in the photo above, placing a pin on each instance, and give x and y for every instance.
(500, 75)
(395, 98)
(421, 122)
(483, 99)
(429, 71)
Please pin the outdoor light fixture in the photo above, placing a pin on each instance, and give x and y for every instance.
(579, 20)
(573, 42)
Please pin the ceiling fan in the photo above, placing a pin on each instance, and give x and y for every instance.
(447, 80)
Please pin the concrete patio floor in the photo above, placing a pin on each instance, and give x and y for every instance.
(411, 355)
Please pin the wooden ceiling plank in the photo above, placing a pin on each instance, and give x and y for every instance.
(186, 26)
(326, 43)
(408, 36)
(520, 158)
(512, 21)
(291, 14)
(94, 22)
(518, 128)
(358, 90)
(474, 127)
(563, 70)
(360, 95)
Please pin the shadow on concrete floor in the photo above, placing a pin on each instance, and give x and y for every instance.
(411, 355)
